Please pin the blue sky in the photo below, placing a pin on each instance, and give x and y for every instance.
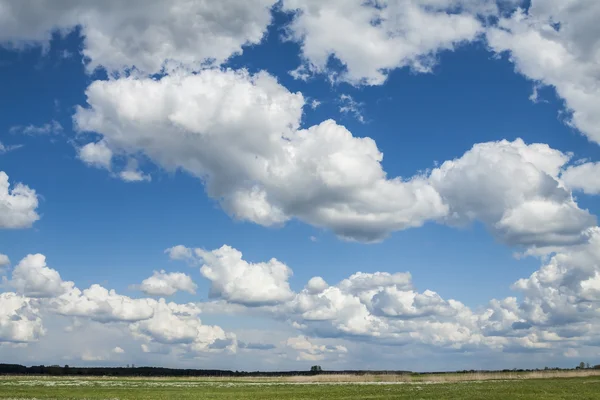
(457, 196)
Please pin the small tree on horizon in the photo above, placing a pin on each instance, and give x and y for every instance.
(316, 369)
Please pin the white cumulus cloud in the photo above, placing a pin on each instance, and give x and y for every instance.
(146, 34)
(33, 278)
(19, 319)
(241, 135)
(4, 260)
(556, 43)
(162, 283)
(372, 38)
(238, 281)
(17, 204)
(584, 177)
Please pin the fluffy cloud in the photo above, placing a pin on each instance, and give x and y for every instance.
(555, 43)
(19, 320)
(131, 173)
(309, 351)
(240, 134)
(558, 310)
(4, 260)
(103, 305)
(173, 324)
(567, 289)
(40, 290)
(146, 34)
(17, 205)
(379, 307)
(372, 38)
(33, 278)
(534, 210)
(167, 284)
(179, 252)
(584, 177)
(239, 281)
(96, 154)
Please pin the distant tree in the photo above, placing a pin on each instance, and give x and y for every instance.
(587, 365)
(581, 365)
(316, 369)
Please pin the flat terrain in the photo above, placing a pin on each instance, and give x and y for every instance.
(479, 386)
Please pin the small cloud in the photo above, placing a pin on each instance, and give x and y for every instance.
(4, 260)
(256, 346)
(571, 353)
(179, 252)
(581, 161)
(301, 73)
(96, 154)
(118, 350)
(351, 106)
(313, 239)
(535, 96)
(131, 173)
(5, 149)
(314, 104)
(50, 128)
(89, 356)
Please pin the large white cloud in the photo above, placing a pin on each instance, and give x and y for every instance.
(380, 307)
(42, 294)
(558, 311)
(567, 288)
(556, 43)
(101, 304)
(533, 210)
(19, 319)
(17, 205)
(33, 278)
(372, 38)
(584, 177)
(241, 135)
(174, 324)
(162, 283)
(239, 281)
(146, 34)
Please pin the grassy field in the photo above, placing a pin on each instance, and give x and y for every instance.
(454, 386)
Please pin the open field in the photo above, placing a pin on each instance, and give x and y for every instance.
(543, 385)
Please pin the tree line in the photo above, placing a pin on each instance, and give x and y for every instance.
(16, 369)
(55, 370)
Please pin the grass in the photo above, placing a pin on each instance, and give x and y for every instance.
(520, 386)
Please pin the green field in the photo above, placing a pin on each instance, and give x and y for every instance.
(581, 388)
